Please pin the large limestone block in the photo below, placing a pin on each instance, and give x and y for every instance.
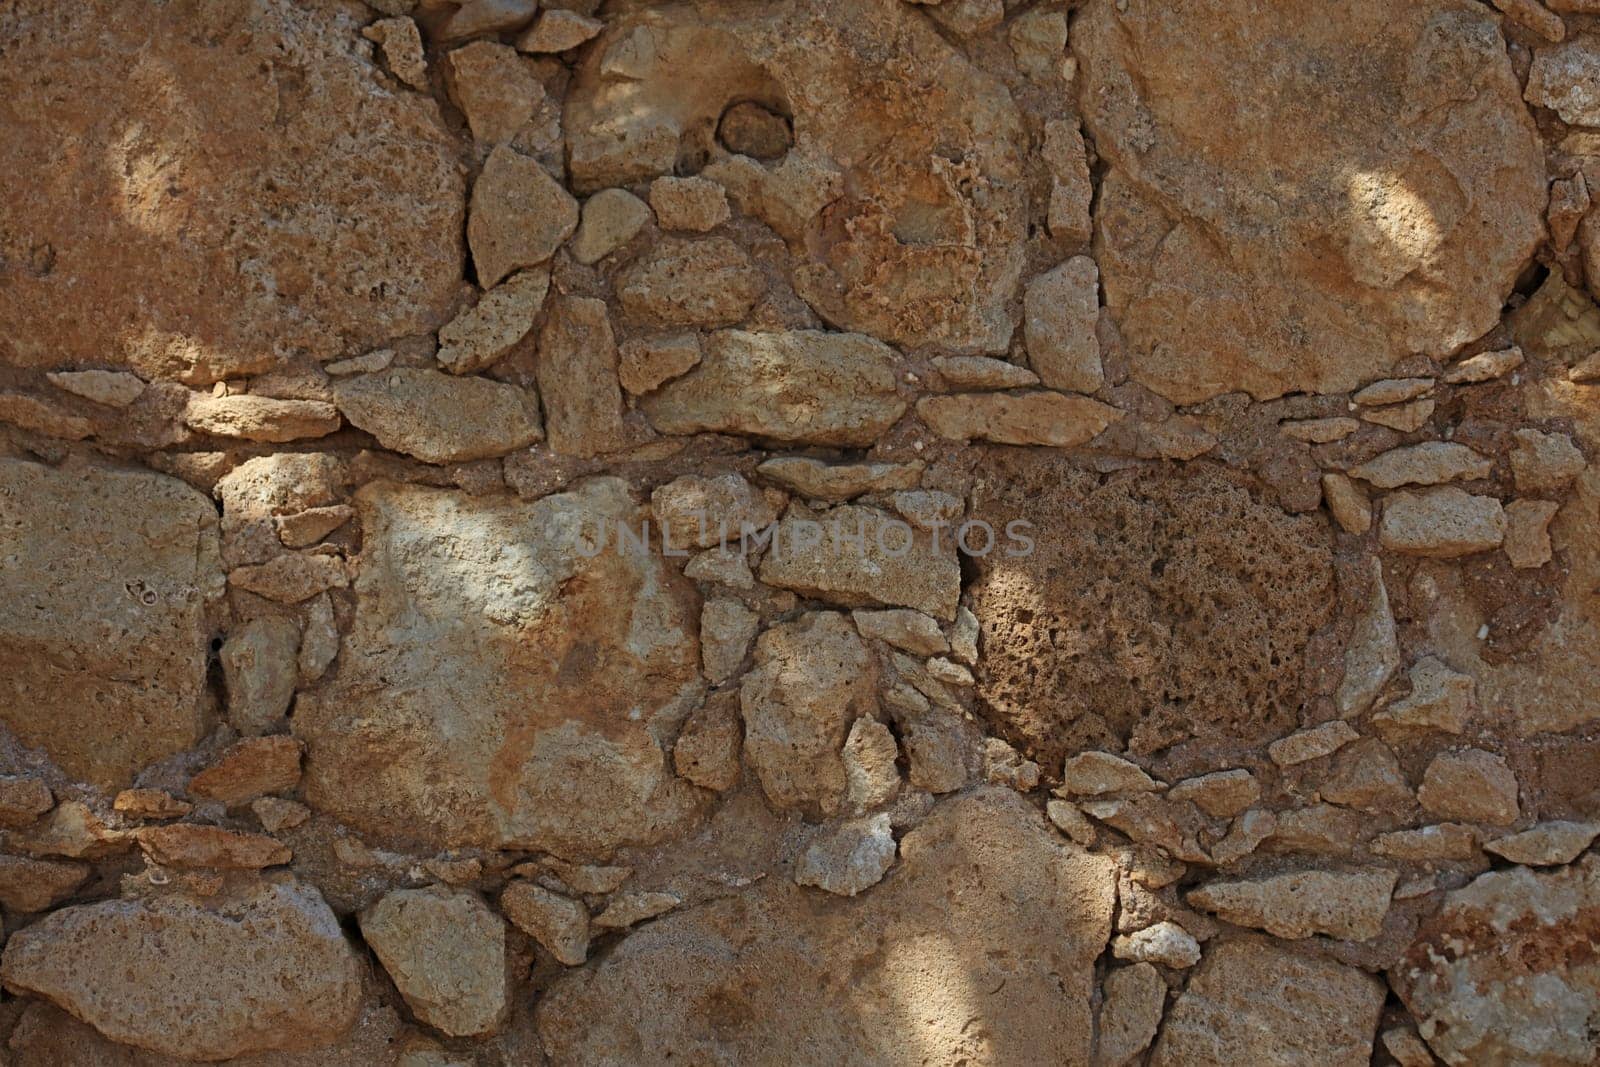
(498, 687)
(261, 966)
(978, 948)
(1297, 199)
(106, 576)
(200, 190)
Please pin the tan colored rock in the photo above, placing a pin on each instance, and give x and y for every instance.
(231, 217)
(1471, 785)
(982, 869)
(559, 31)
(446, 952)
(1407, 1048)
(1393, 391)
(194, 845)
(871, 777)
(1562, 79)
(858, 556)
(1319, 431)
(1406, 418)
(1094, 774)
(1544, 462)
(292, 577)
(28, 885)
(1373, 654)
(1256, 253)
(816, 480)
(1347, 503)
(849, 857)
(707, 749)
(694, 204)
(578, 378)
(38, 416)
(22, 800)
(256, 493)
(1071, 189)
(898, 241)
(1442, 523)
(1165, 943)
(1061, 308)
(319, 644)
(611, 218)
(1221, 794)
(249, 769)
(703, 283)
(1429, 463)
(519, 216)
(698, 511)
(475, 17)
(401, 44)
(1440, 699)
(276, 970)
(259, 671)
(560, 924)
(306, 528)
(648, 363)
(1527, 541)
(277, 814)
(494, 88)
(1254, 1002)
(812, 679)
(439, 418)
(1130, 1014)
(982, 372)
(150, 804)
(1311, 743)
(627, 910)
(116, 389)
(1246, 834)
(1366, 775)
(261, 418)
(1470, 1006)
(1548, 844)
(484, 333)
(366, 363)
(106, 669)
(532, 708)
(72, 830)
(1485, 366)
(820, 388)
(914, 631)
(1036, 418)
(1440, 842)
(1349, 905)
(726, 629)
(1535, 16)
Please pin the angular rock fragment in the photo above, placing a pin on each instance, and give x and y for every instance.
(1472, 785)
(1093, 774)
(38, 416)
(630, 909)
(871, 777)
(1393, 391)
(820, 388)
(1165, 943)
(1061, 309)
(700, 511)
(439, 418)
(259, 671)
(1036, 418)
(726, 629)
(446, 952)
(519, 217)
(647, 363)
(402, 49)
(115, 389)
(1347, 503)
(1312, 743)
(494, 89)
(193, 845)
(578, 378)
(1130, 1015)
(1485, 366)
(103, 645)
(1426, 464)
(702, 283)
(982, 869)
(1407, 418)
(816, 480)
(848, 858)
(1442, 523)
(1544, 462)
(858, 556)
(914, 631)
(1254, 1002)
(261, 418)
(695, 204)
(611, 218)
(1562, 79)
(477, 17)
(252, 768)
(1440, 699)
(560, 924)
(1527, 542)
(150, 804)
(707, 749)
(1319, 431)
(485, 332)
(292, 577)
(1221, 794)
(23, 800)
(1429, 844)
(1366, 775)
(559, 31)
(1547, 844)
(1348, 905)
(275, 968)
(28, 885)
(511, 676)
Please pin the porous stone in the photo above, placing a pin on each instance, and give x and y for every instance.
(103, 648)
(276, 970)
(1527, 542)
(627, 910)
(1485, 366)
(698, 511)
(1347, 503)
(249, 769)
(150, 804)
(1265, 227)
(446, 952)
(1093, 774)
(1442, 523)
(559, 31)
(726, 629)
(560, 924)
(1062, 307)
(29, 885)
(403, 53)
(1544, 462)
(111, 388)
(648, 363)
(695, 204)
(1472, 785)
(817, 480)
(1254, 1002)
(707, 749)
(1349, 905)
(475, 17)
(982, 372)
(981, 869)
(578, 378)
(519, 216)
(1470, 1007)
(494, 89)
(551, 662)
(869, 754)
(195, 845)
(484, 333)
(1312, 743)
(1547, 844)
(848, 858)
(262, 190)
(259, 670)
(914, 631)
(804, 385)
(1562, 79)
(1165, 943)
(1426, 464)
(1130, 1014)
(291, 577)
(706, 282)
(1221, 794)
(440, 418)
(23, 800)
(1440, 699)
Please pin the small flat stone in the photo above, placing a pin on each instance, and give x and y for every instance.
(1060, 310)
(259, 672)
(277, 814)
(611, 218)
(560, 924)
(486, 332)
(1544, 462)
(401, 43)
(1393, 391)
(150, 804)
(726, 629)
(707, 749)
(1347, 503)
(914, 631)
(817, 480)
(494, 88)
(648, 363)
(261, 418)
(1527, 541)
(1440, 842)
(695, 204)
(1221, 794)
(848, 858)
(871, 776)
(1319, 431)
(1440, 699)
(194, 845)
(1430, 463)
(1485, 366)
(559, 31)
(577, 374)
(698, 511)
(1471, 785)
(439, 418)
(366, 363)
(249, 769)
(1548, 844)
(704, 282)
(29, 885)
(1564, 79)
(1347, 905)
(1165, 943)
(627, 910)
(292, 577)
(22, 800)
(519, 216)
(1035, 418)
(113, 389)
(1312, 743)
(1406, 418)
(38, 416)
(982, 372)
(479, 17)
(1130, 1014)
(1095, 774)
(306, 528)
(1442, 523)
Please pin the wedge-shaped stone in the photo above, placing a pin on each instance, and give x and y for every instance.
(439, 418)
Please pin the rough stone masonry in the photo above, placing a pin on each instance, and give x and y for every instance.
(882, 532)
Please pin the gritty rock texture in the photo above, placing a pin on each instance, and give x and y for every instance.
(446, 954)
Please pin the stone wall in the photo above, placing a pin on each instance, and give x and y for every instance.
(799, 531)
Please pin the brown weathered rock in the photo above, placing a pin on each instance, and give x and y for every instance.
(1093, 774)
(1311, 743)
(820, 388)
(1527, 542)
(23, 800)
(698, 511)
(816, 480)
(446, 952)
(1221, 794)
(1349, 905)
(1252, 1002)
(726, 629)
(437, 417)
(1546, 845)
(560, 924)
(1472, 785)
(402, 49)
(701, 283)
(150, 804)
(520, 216)
(578, 378)
(275, 968)
(982, 372)
(1347, 503)
(1443, 523)
(485, 332)
(261, 190)
(1562, 79)
(261, 418)
(1134, 999)
(115, 389)
(558, 31)
(982, 869)
(28, 885)
(611, 218)
(1426, 464)
(1544, 462)
(1471, 1007)
(494, 89)
(531, 709)
(1440, 699)
(103, 648)
(1062, 307)
(696, 204)
(647, 363)
(292, 577)
(627, 910)
(254, 767)
(1267, 227)
(707, 749)
(848, 858)
(193, 845)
